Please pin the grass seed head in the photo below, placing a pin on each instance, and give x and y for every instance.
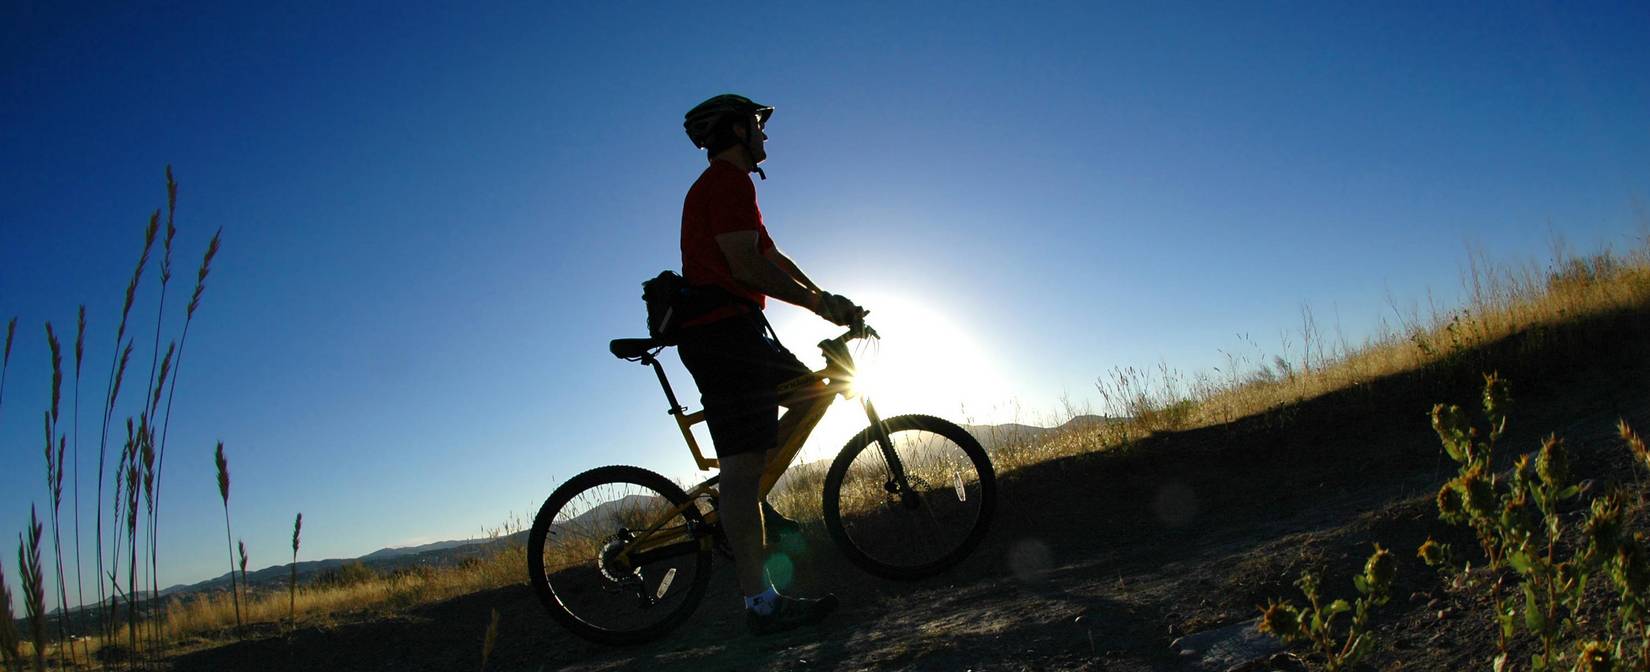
(8, 619)
(57, 368)
(297, 529)
(34, 584)
(11, 330)
(223, 474)
(165, 369)
(80, 340)
(205, 269)
(171, 231)
(120, 373)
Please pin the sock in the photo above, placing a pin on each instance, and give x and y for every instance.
(763, 603)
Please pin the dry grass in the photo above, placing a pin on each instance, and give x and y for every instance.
(1501, 301)
(210, 617)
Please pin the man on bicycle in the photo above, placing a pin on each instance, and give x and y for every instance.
(736, 366)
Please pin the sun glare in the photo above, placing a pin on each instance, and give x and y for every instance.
(925, 362)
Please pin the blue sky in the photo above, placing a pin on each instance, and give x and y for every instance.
(435, 218)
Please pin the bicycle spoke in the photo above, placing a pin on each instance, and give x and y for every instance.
(924, 523)
(614, 560)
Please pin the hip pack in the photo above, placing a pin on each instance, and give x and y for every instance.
(671, 302)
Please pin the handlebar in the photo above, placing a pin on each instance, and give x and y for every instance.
(857, 330)
(836, 349)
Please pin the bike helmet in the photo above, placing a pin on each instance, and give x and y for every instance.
(704, 121)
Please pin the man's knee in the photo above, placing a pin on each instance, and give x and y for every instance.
(743, 469)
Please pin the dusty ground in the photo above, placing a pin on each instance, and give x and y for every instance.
(1099, 562)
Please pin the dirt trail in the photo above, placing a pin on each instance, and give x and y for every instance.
(1099, 562)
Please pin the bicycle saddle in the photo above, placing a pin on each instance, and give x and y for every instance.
(631, 348)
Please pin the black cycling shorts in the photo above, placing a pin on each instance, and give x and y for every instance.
(738, 370)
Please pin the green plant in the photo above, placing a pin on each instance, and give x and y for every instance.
(1315, 623)
(1517, 523)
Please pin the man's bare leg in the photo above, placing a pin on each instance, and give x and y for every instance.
(742, 519)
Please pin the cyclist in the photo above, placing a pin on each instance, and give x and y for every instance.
(736, 366)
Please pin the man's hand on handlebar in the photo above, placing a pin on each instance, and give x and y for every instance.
(838, 310)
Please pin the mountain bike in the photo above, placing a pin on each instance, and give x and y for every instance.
(622, 555)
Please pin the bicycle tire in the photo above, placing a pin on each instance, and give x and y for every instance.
(885, 534)
(594, 596)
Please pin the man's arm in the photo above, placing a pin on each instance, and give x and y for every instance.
(790, 268)
(764, 274)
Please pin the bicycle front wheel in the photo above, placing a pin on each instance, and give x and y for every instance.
(599, 570)
(927, 523)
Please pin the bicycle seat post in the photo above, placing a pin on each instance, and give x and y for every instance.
(676, 407)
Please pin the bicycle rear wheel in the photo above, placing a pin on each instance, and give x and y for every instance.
(594, 572)
(910, 533)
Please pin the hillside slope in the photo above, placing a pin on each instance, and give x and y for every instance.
(1101, 561)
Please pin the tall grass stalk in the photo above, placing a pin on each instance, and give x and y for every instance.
(8, 628)
(134, 476)
(5, 362)
(292, 588)
(223, 491)
(158, 383)
(146, 552)
(177, 364)
(117, 371)
(34, 587)
(54, 484)
(79, 358)
(8, 625)
(244, 585)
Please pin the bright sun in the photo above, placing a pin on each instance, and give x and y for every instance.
(925, 362)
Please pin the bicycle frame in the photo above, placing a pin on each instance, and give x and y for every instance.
(798, 422)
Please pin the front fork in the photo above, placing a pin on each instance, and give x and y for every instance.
(897, 483)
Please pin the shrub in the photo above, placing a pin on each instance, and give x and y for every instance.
(345, 575)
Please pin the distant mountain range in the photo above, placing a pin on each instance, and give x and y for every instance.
(993, 436)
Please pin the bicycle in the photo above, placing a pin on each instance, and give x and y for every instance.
(622, 555)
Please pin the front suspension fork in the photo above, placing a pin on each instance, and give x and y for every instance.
(897, 483)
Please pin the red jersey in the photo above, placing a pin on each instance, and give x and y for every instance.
(722, 200)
